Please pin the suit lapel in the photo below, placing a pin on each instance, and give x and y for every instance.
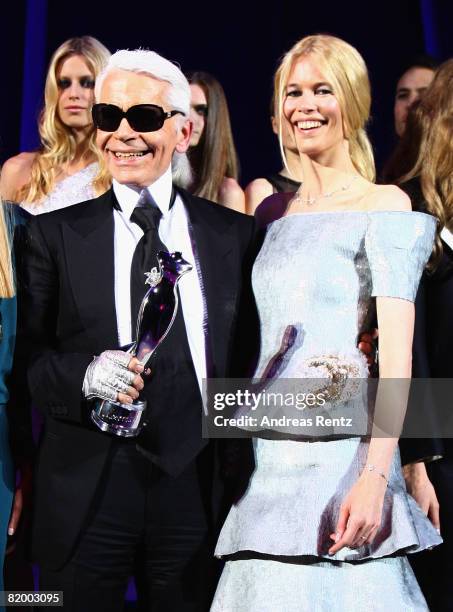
(89, 251)
(216, 250)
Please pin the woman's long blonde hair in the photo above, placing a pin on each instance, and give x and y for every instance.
(58, 144)
(430, 133)
(6, 269)
(344, 68)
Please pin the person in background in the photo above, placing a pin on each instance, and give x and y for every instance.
(287, 180)
(427, 146)
(212, 153)
(64, 169)
(16, 444)
(411, 85)
(7, 341)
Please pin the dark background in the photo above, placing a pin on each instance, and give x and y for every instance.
(239, 42)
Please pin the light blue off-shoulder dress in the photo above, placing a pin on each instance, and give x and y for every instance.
(320, 272)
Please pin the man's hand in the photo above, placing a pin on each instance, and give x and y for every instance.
(420, 487)
(114, 376)
(367, 345)
(136, 368)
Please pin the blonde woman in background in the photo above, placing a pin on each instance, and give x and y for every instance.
(326, 520)
(64, 170)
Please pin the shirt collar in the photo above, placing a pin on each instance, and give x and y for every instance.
(160, 191)
(447, 236)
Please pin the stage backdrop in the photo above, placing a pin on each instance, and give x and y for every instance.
(239, 42)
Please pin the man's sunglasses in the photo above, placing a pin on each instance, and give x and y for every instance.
(141, 117)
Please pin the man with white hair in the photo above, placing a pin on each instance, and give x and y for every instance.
(107, 507)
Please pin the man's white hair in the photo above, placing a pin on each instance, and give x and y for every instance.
(154, 65)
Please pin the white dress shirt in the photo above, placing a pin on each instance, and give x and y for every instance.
(174, 232)
(447, 237)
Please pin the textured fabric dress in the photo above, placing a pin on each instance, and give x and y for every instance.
(320, 272)
(73, 189)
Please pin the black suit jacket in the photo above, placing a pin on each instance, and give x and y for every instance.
(67, 315)
(433, 341)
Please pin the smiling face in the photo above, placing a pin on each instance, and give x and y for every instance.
(75, 85)
(313, 112)
(198, 113)
(408, 90)
(139, 158)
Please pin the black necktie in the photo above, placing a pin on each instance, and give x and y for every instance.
(147, 216)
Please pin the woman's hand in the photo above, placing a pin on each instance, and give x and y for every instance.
(360, 513)
(22, 497)
(420, 487)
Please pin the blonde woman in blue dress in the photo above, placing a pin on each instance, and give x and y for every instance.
(326, 525)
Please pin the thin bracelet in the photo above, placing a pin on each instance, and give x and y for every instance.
(372, 468)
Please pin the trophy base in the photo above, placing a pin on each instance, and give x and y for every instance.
(125, 420)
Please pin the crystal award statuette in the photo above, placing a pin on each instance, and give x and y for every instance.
(155, 318)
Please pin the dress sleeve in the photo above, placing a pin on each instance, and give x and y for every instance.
(398, 245)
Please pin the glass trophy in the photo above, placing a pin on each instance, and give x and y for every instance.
(155, 318)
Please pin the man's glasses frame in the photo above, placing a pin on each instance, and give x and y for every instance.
(141, 117)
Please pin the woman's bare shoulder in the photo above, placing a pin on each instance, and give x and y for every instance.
(255, 193)
(387, 197)
(16, 173)
(21, 162)
(231, 194)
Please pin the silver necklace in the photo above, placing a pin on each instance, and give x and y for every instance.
(328, 194)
